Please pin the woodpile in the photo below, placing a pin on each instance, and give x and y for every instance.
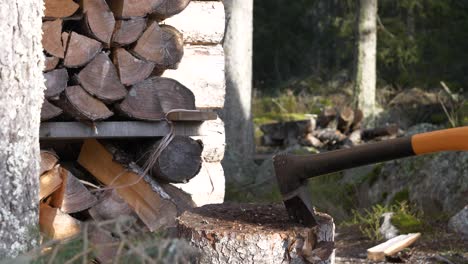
(331, 129)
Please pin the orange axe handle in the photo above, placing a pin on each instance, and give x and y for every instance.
(442, 140)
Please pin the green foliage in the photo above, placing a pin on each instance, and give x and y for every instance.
(401, 196)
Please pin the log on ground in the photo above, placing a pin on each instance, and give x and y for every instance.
(255, 233)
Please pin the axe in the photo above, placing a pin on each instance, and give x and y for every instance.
(292, 171)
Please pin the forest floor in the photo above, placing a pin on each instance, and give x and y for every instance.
(439, 246)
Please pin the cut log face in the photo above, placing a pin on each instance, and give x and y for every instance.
(131, 8)
(48, 161)
(55, 82)
(99, 19)
(131, 70)
(50, 63)
(52, 38)
(73, 196)
(100, 79)
(328, 115)
(179, 162)
(110, 206)
(79, 104)
(49, 111)
(60, 8)
(345, 119)
(80, 50)
(128, 31)
(49, 182)
(162, 45)
(152, 98)
(56, 224)
(249, 233)
(169, 8)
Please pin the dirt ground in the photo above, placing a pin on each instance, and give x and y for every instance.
(440, 246)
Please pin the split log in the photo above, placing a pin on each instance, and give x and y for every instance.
(106, 246)
(345, 119)
(131, 8)
(329, 136)
(48, 161)
(128, 31)
(99, 78)
(49, 111)
(202, 71)
(98, 19)
(52, 38)
(154, 97)
(80, 50)
(55, 82)
(131, 70)
(169, 8)
(149, 201)
(162, 45)
(56, 224)
(60, 8)
(49, 182)
(392, 246)
(326, 117)
(73, 196)
(50, 63)
(311, 141)
(182, 199)
(250, 233)
(78, 103)
(179, 162)
(387, 131)
(202, 22)
(110, 206)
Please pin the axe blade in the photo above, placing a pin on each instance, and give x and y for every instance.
(299, 207)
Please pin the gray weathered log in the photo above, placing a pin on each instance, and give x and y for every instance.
(55, 82)
(49, 111)
(98, 20)
(79, 49)
(131, 70)
(128, 31)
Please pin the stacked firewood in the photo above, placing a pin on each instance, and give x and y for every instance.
(105, 59)
(332, 128)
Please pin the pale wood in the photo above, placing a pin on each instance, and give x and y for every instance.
(48, 161)
(169, 8)
(214, 141)
(56, 224)
(131, 8)
(49, 182)
(50, 63)
(52, 38)
(202, 22)
(98, 19)
(60, 8)
(152, 207)
(55, 82)
(128, 31)
(392, 246)
(131, 69)
(80, 50)
(49, 111)
(190, 115)
(202, 71)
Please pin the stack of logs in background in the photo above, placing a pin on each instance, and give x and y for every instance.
(121, 60)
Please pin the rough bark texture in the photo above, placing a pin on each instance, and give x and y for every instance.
(366, 58)
(237, 107)
(21, 96)
(254, 233)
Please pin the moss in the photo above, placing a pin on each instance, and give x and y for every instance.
(406, 222)
(372, 177)
(401, 196)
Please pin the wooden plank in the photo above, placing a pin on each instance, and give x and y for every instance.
(77, 130)
(202, 71)
(190, 115)
(392, 246)
(200, 22)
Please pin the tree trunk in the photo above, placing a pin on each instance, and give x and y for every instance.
(364, 90)
(21, 96)
(237, 107)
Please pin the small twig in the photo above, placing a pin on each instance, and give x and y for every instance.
(383, 27)
(85, 242)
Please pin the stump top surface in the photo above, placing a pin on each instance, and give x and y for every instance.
(240, 218)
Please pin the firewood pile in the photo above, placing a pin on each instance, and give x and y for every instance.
(331, 129)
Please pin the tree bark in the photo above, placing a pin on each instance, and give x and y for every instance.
(237, 107)
(21, 96)
(364, 90)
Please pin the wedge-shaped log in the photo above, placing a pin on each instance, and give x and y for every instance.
(49, 182)
(128, 31)
(162, 45)
(60, 8)
(52, 38)
(154, 97)
(169, 8)
(48, 161)
(55, 82)
(131, 70)
(99, 20)
(149, 201)
(78, 103)
(179, 162)
(73, 196)
(99, 78)
(49, 111)
(131, 8)
(80, 50)
(56, 224)
(50, 63)
(110, 206)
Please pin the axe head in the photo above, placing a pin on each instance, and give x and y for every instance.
(294, 190)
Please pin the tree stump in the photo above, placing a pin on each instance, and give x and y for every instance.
(256, 233)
